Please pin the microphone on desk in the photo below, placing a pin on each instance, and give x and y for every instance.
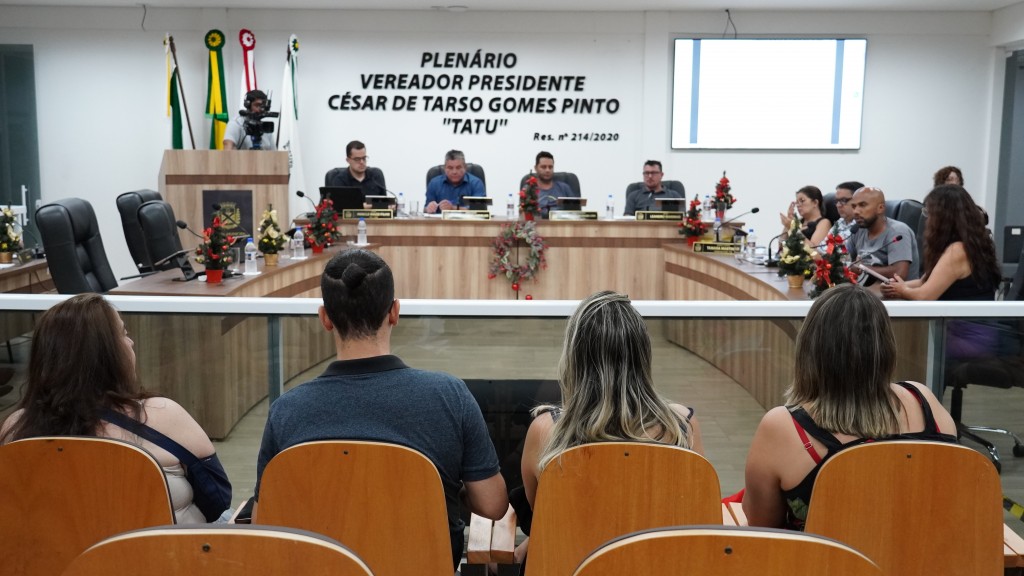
(870, 252)
(302, 194)
(733, 219)
(773, 262)
(184, 226)
(228, 217)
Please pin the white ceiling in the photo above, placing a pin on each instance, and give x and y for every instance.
(553, 5)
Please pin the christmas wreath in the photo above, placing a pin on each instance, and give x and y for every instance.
(502, 253)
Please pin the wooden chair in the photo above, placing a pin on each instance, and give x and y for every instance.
(915, 508)
(593, 493)
(220, 550)
(725, 551)
(384, 502)
(61, 495)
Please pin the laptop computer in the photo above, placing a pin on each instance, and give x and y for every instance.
(344, 197)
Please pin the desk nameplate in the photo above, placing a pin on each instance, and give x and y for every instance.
(369, 214)
(466, 215)
(660, 215)
(717, 247)
(572, 215)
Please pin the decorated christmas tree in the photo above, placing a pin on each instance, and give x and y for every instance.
(529, 204)
(830, 270)
(693, 226)
(796, 259)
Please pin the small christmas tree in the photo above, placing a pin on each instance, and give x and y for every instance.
(529, 204)
(271, 240)
(830, 270)
(796, 257)
(723, 193)
(693, 225)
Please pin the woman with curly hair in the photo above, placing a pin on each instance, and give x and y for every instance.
(948, 175)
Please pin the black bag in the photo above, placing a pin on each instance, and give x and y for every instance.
(211, 489)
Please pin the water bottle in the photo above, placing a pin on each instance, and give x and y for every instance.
(401, 204)
(708, 205)
(751, 244)
(510, 209)
(717, 227)
(609, 208)
(298, 244)
(361, 232)
(250, 258)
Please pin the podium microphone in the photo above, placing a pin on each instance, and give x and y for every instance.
(302, 194)
(751, 211)
(228, 217)
(184, 226)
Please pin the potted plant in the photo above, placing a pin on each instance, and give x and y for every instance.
(271, 240)
(797, 258)
(322, 230)
(215, 251)
(830, 270)
(10, 241)
(529, 204)
(693, 227)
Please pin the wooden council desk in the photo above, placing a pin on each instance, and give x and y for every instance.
(31, 278)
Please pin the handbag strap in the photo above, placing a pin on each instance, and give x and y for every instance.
(142, 431)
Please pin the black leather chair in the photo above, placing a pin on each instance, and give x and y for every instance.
(474, 169)
(74, 247)
(669, 184)
(911, 213)
(370, 171)
(159, 229)
(892, 208)
(567, 177)
(829, 208)
(1003, 369)
(128, 205)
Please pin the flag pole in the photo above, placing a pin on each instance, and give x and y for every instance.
(181, 89)
(288, 61)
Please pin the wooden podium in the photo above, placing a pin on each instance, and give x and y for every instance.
(185, 174)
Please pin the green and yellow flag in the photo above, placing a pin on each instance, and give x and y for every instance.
(216, 97)
(173, 104)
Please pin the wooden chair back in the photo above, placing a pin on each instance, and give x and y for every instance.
(218, 550)
(384, 502)
(593, 493)
(914, 508)
(726, 551)
(60, 495)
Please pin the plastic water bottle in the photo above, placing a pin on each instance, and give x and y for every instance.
(751, 245)
(510, 209)
(250, 258)
(708, 205)
(717, 227)
(298, 244)
(609, 208)
(361, 232)
(401, 204)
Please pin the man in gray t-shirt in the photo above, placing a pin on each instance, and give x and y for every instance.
(369, 394)
(875, 244)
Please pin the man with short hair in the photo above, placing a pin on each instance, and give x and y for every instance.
(549, 189)
(445, 191)
(844, 194)
(369, 394)
(643, 198)
(875, 244)
(358, 174)
(235, 137)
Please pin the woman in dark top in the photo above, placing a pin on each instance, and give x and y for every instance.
(809, 205)
(842, 395)
(959, 264)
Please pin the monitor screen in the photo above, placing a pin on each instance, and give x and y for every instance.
(344, 197)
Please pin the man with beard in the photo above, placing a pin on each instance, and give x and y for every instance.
(875, 244)
(643, 198)
(549, 189)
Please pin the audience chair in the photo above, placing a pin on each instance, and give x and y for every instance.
(74, 247)
(914, 508)
(218, 550)
(592, 493)
(64, 494)
(128, 206)
(384, 502)
(474, 169)
(568, 177)
(725, 551)
(667, 184)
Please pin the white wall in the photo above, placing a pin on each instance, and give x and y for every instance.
(932, 97)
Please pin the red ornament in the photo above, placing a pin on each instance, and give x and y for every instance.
(529, 296)
(515, 286)
(491, 276)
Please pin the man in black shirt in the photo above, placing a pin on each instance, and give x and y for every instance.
(358, 174)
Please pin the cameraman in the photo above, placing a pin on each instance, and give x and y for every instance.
(249, 124)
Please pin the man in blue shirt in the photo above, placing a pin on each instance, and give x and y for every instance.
(549, 189)
(446, 190)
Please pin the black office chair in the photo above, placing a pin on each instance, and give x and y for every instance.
(911, 213)
(128, 205)
(568, 177)
(1004, 369)
(474, 169)
(829, 209)
(159, 230)
(370, 172)
(669, 184)
(892, 208)
(74, 248)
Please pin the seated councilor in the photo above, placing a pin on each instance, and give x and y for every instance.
(81, 382)
(842, 395)
(358, 174)
(445, 191)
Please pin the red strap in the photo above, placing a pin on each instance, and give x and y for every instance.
(807, 442)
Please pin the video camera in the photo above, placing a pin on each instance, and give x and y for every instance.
(254, 124)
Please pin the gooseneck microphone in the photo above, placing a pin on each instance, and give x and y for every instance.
(870, 252)
(228, 217)
(302, 194)
(733, 219)
(184, 226)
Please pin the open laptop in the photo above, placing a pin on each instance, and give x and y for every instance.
(344, 197)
